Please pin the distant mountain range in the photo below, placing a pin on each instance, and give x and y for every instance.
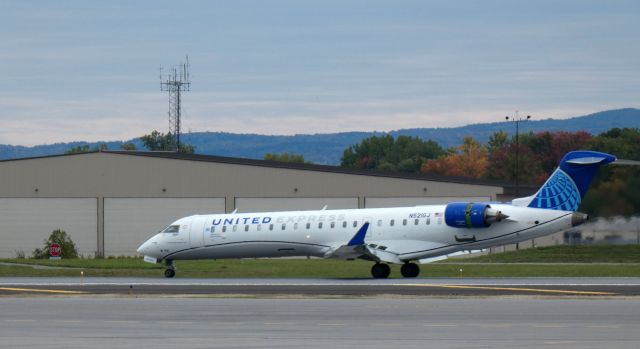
(328, 148)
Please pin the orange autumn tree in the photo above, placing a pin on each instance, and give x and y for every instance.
(470, 159)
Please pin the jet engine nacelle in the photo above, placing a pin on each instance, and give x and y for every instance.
(471, 215)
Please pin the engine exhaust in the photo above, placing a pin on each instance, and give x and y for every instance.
(578, 218)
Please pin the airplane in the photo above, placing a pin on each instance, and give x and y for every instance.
(400, 235)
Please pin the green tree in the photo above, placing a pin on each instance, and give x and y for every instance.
(87, 149)
(284, 157)
(157, 141)
(404, 153)
(60, 237)
(128, 146)
(79, 149)
(615, 188)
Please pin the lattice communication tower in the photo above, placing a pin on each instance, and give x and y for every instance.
(175, 82)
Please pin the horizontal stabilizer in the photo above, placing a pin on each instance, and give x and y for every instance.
(627, 162)
(590, 160)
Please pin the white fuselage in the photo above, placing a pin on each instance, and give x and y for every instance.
(406, 233)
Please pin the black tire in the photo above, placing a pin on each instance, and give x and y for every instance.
(169, 273)
(380, 271)
(410, 270)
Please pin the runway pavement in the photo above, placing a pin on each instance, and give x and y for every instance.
(464, 287)
(187, 322)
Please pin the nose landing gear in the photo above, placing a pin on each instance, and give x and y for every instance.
(171, 269)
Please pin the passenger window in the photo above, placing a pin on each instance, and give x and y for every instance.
(295, 226)
(284, 226)
(416, 222)
(213, 229)
(393, 221)
(246, 228)
(333, 225)
(404, 222)
(320, 225)
(259, 227)
(344, 224)
(270, 226)
(308, 225)
(380, 223)
(428, 220)
(355, 224)
(235, 228)
(224, 228)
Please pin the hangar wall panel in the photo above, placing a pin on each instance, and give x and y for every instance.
(278, 204)
(130, 221)
(27, 222)
(376, 202)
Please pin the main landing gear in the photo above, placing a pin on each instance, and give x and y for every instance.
(410, 270)
(171, 269)
(382, 271)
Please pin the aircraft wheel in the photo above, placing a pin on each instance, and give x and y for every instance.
(380, 271)
(410, 270)
(169, 273)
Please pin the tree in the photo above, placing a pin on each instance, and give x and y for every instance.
(87, 149)
(615, 188)
(157, 141)
(128, 146)
(385, 153)
(79, 149)
(468, 160)
(284, 157)
(60, 237)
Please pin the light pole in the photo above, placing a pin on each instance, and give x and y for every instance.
(517, 120)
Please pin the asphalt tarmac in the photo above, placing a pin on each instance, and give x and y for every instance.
(385, 322)
(450, 287)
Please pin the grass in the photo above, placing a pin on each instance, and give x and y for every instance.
(566, 254)
(582, 261)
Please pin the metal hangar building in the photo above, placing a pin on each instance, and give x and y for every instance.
(111, 201)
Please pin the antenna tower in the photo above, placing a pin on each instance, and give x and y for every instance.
(175, 82)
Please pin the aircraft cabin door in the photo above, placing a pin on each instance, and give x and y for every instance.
(196, 234)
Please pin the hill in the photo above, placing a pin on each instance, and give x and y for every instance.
(328, 148)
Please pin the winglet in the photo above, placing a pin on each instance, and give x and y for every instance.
(358, 239)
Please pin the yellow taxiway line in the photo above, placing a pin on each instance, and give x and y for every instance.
(38, 290)
(522, 289)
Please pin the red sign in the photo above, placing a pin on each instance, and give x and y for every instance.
(55, 250)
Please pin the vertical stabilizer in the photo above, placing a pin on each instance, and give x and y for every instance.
(569, 183)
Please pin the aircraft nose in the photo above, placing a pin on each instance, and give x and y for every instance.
(144, 248)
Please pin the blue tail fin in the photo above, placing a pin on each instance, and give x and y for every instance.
(569, 183)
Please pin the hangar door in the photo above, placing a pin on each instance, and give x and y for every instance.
(283, 204)
(377, 202)
(130, 221)
(27, 222)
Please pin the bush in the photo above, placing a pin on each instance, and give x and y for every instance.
(60, 237)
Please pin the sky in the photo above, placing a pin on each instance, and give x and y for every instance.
(88, 70)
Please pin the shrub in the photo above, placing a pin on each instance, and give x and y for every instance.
(60, 237)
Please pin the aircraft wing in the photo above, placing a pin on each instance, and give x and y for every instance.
(388, 251)
(443, 257)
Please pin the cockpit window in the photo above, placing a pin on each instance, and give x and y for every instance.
(172, 229)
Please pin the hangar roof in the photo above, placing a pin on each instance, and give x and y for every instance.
(305, 167)
(294, 166)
